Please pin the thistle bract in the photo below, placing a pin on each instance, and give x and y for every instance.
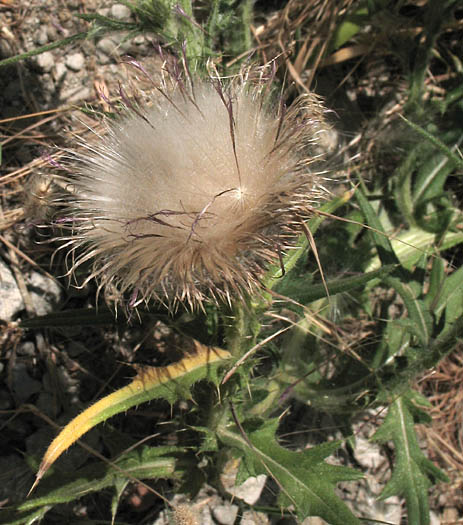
(188, 198)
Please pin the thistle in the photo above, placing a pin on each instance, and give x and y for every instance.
(188, 198)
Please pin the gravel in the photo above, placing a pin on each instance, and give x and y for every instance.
(11, 302)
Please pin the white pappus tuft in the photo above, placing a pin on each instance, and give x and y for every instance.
(188, 199)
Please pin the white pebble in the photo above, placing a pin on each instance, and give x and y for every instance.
(120, 12)
(75, 62)
(42, 37)
(107, 46)
(45, 61)
(59, 72)
(12, 301)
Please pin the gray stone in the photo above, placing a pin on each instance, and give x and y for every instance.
(52, 33)
(5, 48)
(75, 62)
(42, 36)
(250, 490)
(23, 384)
(75, 94)
(59, 72)
(45, 293)
(47, 403)
(103, 58)
(139, 40)
(45, 61)
(6, 402)
(120, 12)
(11, 301)
(108, 47)
(17, 477)
(27, 348)
(225, 514)
(104, 11)
(250, 517)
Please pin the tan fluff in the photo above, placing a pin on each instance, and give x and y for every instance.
(189, 199)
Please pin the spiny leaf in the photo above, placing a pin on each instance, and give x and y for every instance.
(119, 486)
(381, 240)
(411, 244)
(417, 310)
(144, 463)
(453, 157)
(413, 473)
(305, 480)
(306, 293)
(170, 382)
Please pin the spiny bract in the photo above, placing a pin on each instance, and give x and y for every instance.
(188, 198)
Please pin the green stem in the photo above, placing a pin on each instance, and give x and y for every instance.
(42, 49)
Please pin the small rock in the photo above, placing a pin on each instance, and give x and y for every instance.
(27, 348)
(6, 401)
(42, 36)
(108, 47)
(11, 301)
(139, 40)
(225, 514)
(77, 94)
(5, 48)
(74, 349)
(120, 12)
(14, 487)
(52, 33)
(103, 58)
(104, 11)
(45, 293)
(23, 384)
(47, 403)
(75, 62)
(59, 72)
(251, 517)
(45, 61)
(250, 490)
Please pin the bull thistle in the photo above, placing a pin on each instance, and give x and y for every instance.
(190, 197)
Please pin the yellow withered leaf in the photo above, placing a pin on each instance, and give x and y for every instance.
(150, 383)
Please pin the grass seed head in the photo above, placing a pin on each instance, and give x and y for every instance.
(188, 198)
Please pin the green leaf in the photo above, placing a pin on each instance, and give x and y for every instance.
(9, 517)
(48, 47)
(383, 244)
(306, 482)
(411, 244)
(143, 463)
(306, 293)
(453, 157)
(352, 24)
(413, 473)
(119, 487)
(448, 303)
(400, 280)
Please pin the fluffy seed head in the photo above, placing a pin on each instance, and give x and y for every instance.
(189, 198)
